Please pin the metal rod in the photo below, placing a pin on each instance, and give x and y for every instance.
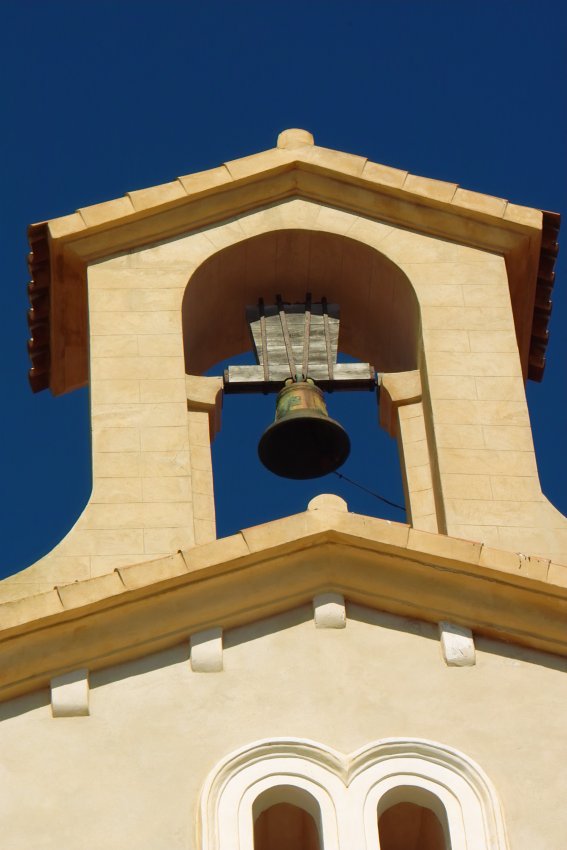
(327, 338)
(265, 363)
(287, 340)
(306, 335)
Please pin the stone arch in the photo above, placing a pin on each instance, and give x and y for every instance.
(380, 316)
(379, 309)
(256, 777)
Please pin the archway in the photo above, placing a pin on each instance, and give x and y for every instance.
(379, 325)
(379, 308)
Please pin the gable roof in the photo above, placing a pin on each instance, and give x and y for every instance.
(271, 568)
(62, 247)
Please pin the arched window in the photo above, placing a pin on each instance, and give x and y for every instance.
(286, 818)
(395, 794)
(412, 819)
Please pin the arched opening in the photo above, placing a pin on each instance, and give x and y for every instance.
(410, 818)
(285, 827)
(379, 308)
(439, 796)
(407, 826)
(373, 462)
(379, 325)
(286, 818)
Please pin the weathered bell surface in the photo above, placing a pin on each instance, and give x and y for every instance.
(303, 441)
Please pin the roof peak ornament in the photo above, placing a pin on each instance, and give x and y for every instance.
(295, 138)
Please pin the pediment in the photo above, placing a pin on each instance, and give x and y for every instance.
(272, 568)
(62, 248)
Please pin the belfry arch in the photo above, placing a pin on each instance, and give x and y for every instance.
(379, 309)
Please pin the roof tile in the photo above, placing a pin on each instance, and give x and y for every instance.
(154, 196)
(479, 202)
(90, 590)
(203, 180)
(523, 215)
(439, 190)
(257, 162)
(65, 224)
(150, 572)
(394, 177)
(347, 163)
(107, 211)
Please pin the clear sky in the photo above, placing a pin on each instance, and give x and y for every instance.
(99, 98)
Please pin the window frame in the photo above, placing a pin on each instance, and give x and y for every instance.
(348, 791)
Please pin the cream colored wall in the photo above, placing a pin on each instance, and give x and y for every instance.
(152, 491)
(130, 774)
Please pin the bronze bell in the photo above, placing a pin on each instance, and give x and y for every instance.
(303, 441)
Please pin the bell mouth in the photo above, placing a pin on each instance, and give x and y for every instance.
(303, 446)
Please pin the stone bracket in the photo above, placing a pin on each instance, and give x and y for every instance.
(396, 390)
(70, 694)
(205, 395)
(457, 645)
(329, 611)
(206, 651)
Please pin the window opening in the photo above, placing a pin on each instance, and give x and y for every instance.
(443, 800)
(284, 826)
(409, 826)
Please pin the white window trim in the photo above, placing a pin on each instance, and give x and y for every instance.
(348, 790)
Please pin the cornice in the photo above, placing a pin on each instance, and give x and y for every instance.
(63, 247)
(148, 607)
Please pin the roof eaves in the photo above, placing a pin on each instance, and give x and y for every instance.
(295, 147)
(148, 607)
(543, 302)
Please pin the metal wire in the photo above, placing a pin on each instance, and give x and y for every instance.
(370, 492)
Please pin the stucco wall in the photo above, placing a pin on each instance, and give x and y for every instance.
(131, 773)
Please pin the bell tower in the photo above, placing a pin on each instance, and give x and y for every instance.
(327, 679)
(443, 292)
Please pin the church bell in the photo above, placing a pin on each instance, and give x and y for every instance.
(296, 345)
(303, 441)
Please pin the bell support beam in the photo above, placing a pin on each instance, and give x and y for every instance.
(296, 341)
(346, 376)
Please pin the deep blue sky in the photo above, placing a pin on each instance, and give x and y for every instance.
(99, 98)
